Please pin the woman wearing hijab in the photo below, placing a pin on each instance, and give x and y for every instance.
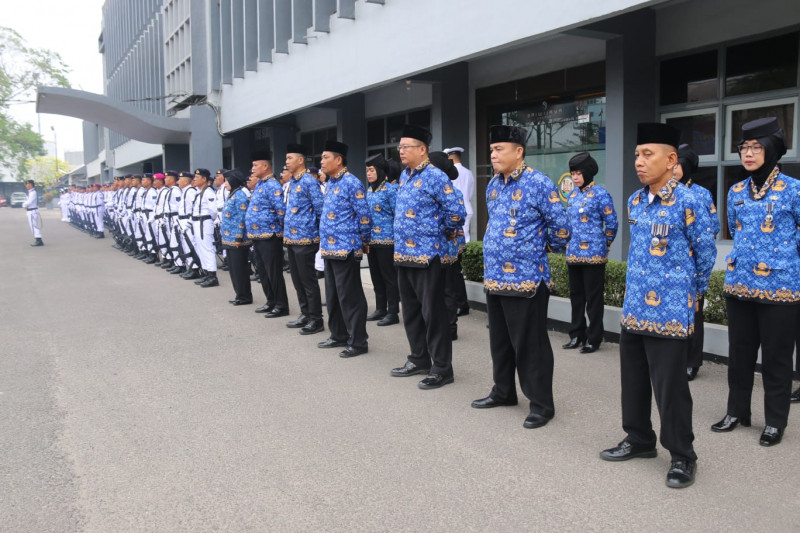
(234, 236)
(381, 197)
(594, 226)
(762, 281)
(688, 161)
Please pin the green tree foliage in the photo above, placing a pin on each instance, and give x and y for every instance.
(22, 70)
(43, 170)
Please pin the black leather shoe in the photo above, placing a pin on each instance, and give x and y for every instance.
(408, 369)
(232, 301)
(263, 309)
(191, 274)
(277, 313)
(243, 302)
(794, 398)
(489, 402)
(681, 474)
(691, 372)
(590, 348)
(771, 436)
(535, 420)
(201, 279)
(454, 333)
(389, 320)
(435, 381)
(301, 321)
(150, 261)
(313, 326)
(331, 343)
(352, 351)
(224, 267)
(376, 315)
(212, 281)
(729, 423)
(625, 450)
(167, 264)
(573, 343)
(462, 311)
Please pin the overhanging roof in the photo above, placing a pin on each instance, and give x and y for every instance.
(114, 115)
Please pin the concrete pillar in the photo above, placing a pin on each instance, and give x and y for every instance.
(351, 130)
(450, 110)
(206, 143)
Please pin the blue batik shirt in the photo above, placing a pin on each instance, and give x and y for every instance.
(345, 226)
(526, 220)
(266, 210)
(764, 264)
(456, 244)
(303, 208)
(234, 213)
(426, 214)
(594, 225)
(381, 204)
(671, 255)
(705, 198)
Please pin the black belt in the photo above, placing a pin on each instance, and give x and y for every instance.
(183, 217)
(159, 216)
(31, 208)
(147, 210)
(137, 210)
(201, 219)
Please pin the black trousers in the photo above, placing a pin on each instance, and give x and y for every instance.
(519, 342)
(384, 278)
(586, 285)
(452, 279)
(425, 317)
(696, 341)
(270, 253)
(304, 279)
(239, 271)
(347, 305)
(656, 366)
(750, 325)
(460, 286)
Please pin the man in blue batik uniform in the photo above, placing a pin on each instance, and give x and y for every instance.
(671, 255)
(427, 215)
(301, 237)
(344, 231)
(526, 220)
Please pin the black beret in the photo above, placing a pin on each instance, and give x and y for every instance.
(137, 176)
(185, 174)
(376, 161)
(417, 132)
(202, 172)
(688, 159)
(313, 171)
(508, 134)
(444, 163)
(223, 170)
(261, 155)
(172, 173)
(296, 149)
(658, 133)
(128, 176)
(585, 163)
(147, 175)
(336, 147)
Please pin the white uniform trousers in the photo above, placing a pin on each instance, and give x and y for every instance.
(204, 244)
(33, 222)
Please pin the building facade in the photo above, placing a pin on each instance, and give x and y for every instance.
(203, 83)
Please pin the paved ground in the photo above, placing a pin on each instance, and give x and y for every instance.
(134, 401)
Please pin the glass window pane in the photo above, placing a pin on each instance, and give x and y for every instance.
(375, 132)
(699, 131)
(691, 78)
(762, 65)
(783, 112)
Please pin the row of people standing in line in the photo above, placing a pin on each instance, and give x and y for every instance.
(671, 255)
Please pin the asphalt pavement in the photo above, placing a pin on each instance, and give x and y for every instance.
(132, 400)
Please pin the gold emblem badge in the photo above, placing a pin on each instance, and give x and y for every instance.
(517, 195)
(553, 197)
(331, 240)
(410, 243)
(762, 269)
(331, 216)
(509, 268)
(739, 187)
(376, 229)
(510, 232)
(689, 216)
(583, 245)
(779, 185)
(418, 183)
(767, 226)
(608, 210)
(377, 207)
(584, 218)
(359, 194)
(411, 214)
(652, 299)
(448, 189)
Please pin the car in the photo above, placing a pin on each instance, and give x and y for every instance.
(3, 201)
(18, 198)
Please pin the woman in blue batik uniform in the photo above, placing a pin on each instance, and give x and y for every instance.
(594, 226)
(688, 162)
(234, 236)
(382, 196)
(762, 282)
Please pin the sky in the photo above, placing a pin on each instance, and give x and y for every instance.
(71, 28)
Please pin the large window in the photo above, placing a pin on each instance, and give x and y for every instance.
(709, 99)
(383, 134)
(314, 141)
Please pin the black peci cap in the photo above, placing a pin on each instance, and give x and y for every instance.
(658, 133)
(417, 132)
(508, 134)
(336, 147)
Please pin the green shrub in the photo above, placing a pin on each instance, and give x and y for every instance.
(472, 263)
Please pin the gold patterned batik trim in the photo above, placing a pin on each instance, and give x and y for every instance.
(412, 259)
(594, 260)
(262, 236)
(246, 242)
(740, 290)
(315, 240)
(341, 254)
(386, 242)
(527, 288)
(673, 328)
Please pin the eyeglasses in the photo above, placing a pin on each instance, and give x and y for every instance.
(755, 148)
(404, 147)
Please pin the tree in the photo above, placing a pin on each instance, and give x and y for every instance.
(22, 70)
(42, 170)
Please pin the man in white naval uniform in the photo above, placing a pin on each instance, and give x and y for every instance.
(32, 208)
(204, 216)
(159, 233)
(183, 233)
(148, 218)
(222, 193)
